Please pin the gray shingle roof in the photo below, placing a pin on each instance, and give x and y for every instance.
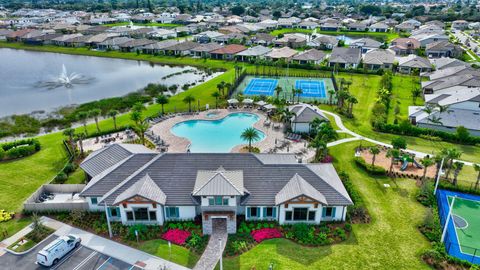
(305, 113)
(146, 188)
(176, 175)
(379, 57)
(297, 186)
(310, 55)
(346, 55)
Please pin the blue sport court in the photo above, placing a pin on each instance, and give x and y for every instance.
(261, 87)
(462, 239)
(312, 89)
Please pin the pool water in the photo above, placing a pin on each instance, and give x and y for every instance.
(216, 136)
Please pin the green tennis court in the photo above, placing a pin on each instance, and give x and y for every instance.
(466, 217)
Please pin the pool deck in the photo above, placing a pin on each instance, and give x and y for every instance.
(180, 145)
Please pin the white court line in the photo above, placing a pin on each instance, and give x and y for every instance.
(65, 258)
(82, 263)
(104, 263)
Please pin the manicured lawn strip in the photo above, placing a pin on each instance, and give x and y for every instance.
(179, 255)
(290, 30)
(77, 177)
(402, 96)
(13, 226)
(387, 36)
(390, 241)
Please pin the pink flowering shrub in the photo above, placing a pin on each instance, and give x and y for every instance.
(176, 236)
(327, 159)
(265, 233)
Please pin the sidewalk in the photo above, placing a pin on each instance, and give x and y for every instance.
(100, 244)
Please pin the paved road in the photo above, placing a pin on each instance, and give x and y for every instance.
(343, 129)
(81, 258)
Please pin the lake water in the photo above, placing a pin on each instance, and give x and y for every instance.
(29, 80)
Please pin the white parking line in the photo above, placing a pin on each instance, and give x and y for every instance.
(65, 258)
(85, 260)
(100, 267)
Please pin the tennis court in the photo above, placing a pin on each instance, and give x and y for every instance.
(311, 88)
(462, 239)
(260, 87)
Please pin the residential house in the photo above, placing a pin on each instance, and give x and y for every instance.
(291, 22)
(16, 36)
(324, 42)
(284, 53)
(380, 27)
(61, 40)
(263, 39)
(329, 26)
(291, 40)
(113, 44)
(4, 33)
(158, 47)
(135, 45)
(161, 34)
(228, 52)
(207, 36)
(308, 25)
(312, 56)
(345, 57)
(303, 116)
(231, 38)
(253, 53)
(443, 49)
(365, 44)
(460, 24)
(379, 59)
(410, 63)
(138, 189)
(203, 50)
(181, 48)
(405, 27)
(405, 46)
(268, 24)
(428, 38)
(357, 27)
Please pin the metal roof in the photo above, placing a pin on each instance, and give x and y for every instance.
(219, 182)
(146, 188)
(297, 186)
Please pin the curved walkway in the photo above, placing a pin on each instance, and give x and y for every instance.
(215, 247)
(343, 129)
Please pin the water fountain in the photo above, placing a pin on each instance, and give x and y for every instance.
(66, 80)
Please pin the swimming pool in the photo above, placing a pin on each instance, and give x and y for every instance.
(216, 136)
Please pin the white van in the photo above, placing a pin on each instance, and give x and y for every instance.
(54, 251)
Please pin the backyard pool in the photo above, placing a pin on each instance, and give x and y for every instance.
(216, 136)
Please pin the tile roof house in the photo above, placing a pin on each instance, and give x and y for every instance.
(413, 62)
(291, 40)
(357, 26)
(113, 44)
(263, 39)
(345, 57)
(460, 24)
(153, 188)
(365, 44)
(285, 53)
(158, 47)
(135, 44)
(228, 52)
(303, 116)
(443, 49)
(312, 56)
(253, 53)
(379, 59)
(324, 42)
(206, 36)
(380, 27)
(405, 27)
(203, 50)
(405, 46)
(181, 48)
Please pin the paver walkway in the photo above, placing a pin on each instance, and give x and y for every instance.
(215, 247)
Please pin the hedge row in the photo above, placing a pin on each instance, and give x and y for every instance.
(18, 149)
(410, 130)
(372, 169)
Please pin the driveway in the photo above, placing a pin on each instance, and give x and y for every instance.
(81, 258)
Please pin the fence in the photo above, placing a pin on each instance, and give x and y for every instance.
(452, 245)
(32, 204)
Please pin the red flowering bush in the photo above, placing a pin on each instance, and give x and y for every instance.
(265, 233)
(327, 159)
(176, 236)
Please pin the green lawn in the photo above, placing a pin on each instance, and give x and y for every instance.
(77, 177)
(385, 36)
(390, 241)
(290, 30)
(179, 255)
(13, 226)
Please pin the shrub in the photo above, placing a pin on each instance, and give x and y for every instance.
(19, 149)
(339, 232)
(372, 169)
(6, 216)
(69, 168)
(197, 242)
(265, 233)
(303, 233)
(61, 178)
(176, 236)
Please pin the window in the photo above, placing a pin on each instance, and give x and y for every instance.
(288, 215)
(300, 213)
(225, 201)
(172, 212)
(211, 201)
(217, 200)
(311, 215)
(253, 211)
(129, 215)
(268, 211)
(153, 215)
(94, 201)
(328, 212)
(141, 213)
(114, 211)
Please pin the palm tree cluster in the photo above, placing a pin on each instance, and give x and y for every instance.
(323, 133)
(140, 123)
(450, 155)
(345, 100)
(250, 134)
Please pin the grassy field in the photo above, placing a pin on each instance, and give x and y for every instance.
(179, 255)
(390, 241)
(13, 226)
(77, 177)
(290, 30)
(384, 36)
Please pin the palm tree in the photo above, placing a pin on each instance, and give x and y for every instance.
(393, 154)
(140, 128)
(331, 93)
(221, 87)
(374, 150)
(95, 113)
(458, 167)
(299, 92)
(451, 155)
(477, 168)
(426, 162)
(216, 95)
(70, 133)
(416, 93)
(136, 117)
(320, 146)
(228, 87)
(286, 116)
(278, 90)
(82, 117)
(250, 134)
(189, 99)
(80, 137)
(162, 100)
(113, 114)
(316, 123)
(351, 100)
(327, 133)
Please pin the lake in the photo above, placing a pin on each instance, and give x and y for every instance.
(38, 81)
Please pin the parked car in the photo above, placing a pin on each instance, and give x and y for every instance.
(53, 252)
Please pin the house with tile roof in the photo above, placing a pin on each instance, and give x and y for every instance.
(378, 59)
(312, 56)
(228, 52)
(133, 185)
(345, 57)
(405, 46)
(413, 62)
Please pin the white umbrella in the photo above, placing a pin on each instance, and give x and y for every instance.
(269, 106)
(248, 101)
(233, 101)
(261, 103)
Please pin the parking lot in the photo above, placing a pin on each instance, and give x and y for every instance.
(81, 258)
